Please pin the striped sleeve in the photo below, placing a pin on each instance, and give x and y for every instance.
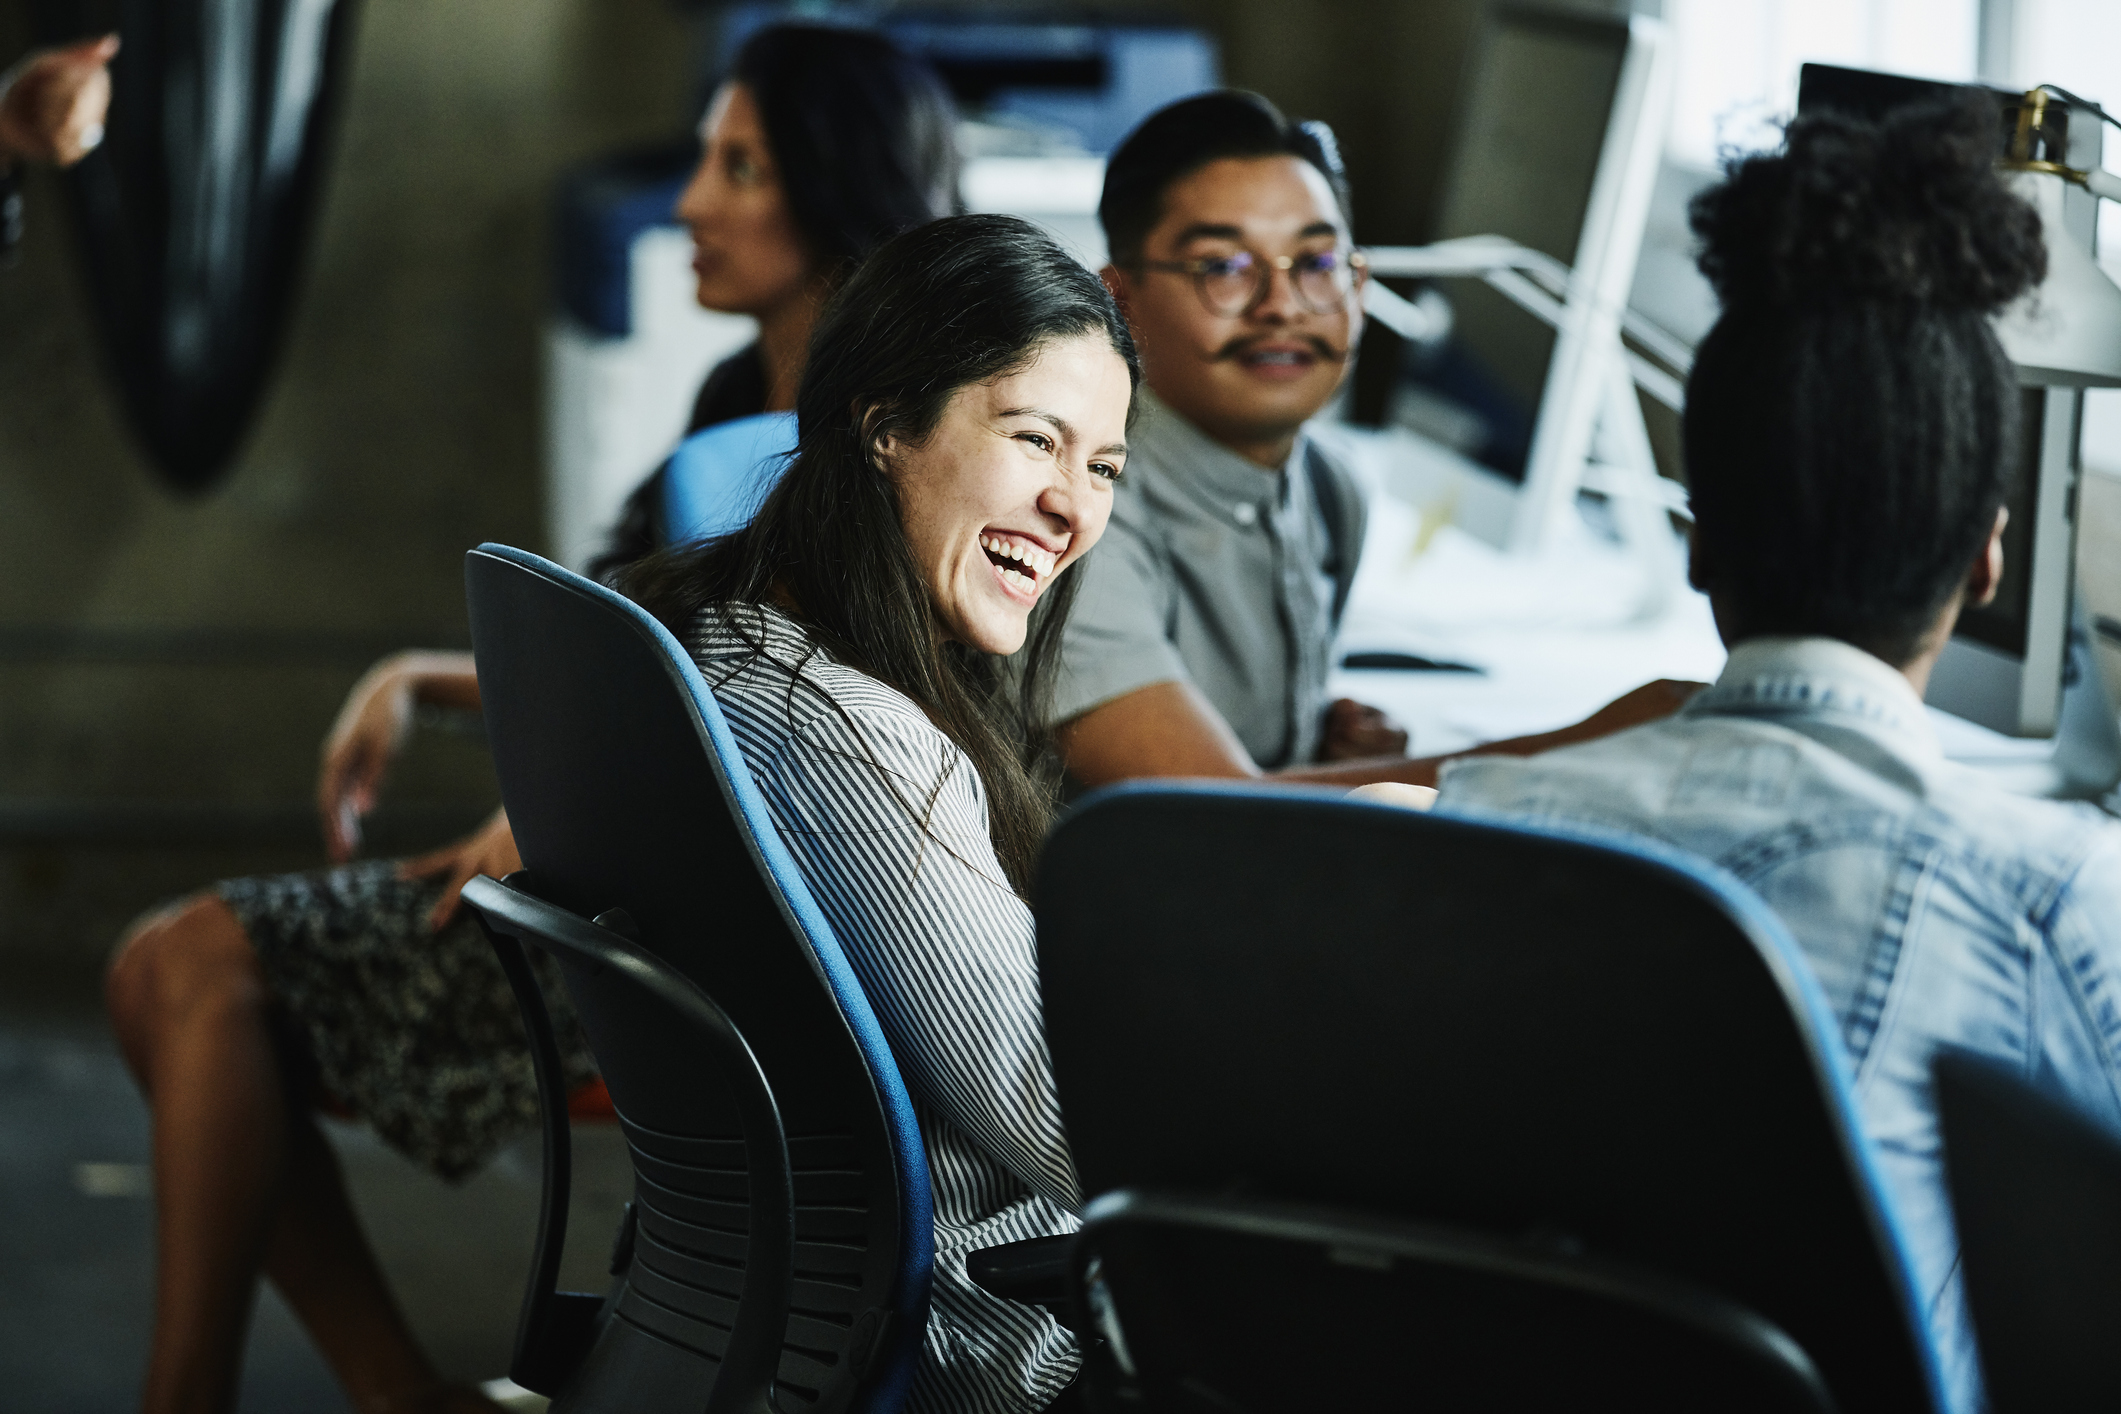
(944, 948)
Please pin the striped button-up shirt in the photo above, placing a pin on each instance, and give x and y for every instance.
(887, 820)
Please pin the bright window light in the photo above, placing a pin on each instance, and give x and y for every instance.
(1738, 59)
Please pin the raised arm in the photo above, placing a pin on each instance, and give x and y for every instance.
(371, 726)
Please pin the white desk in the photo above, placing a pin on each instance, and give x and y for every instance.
(1557, 636)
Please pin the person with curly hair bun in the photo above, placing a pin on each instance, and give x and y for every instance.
(1852, 426)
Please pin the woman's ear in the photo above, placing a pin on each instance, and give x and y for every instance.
(1985, 576)
(879, 444)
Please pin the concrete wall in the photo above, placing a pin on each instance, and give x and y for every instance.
(167, 668)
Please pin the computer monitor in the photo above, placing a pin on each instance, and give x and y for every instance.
(1558, 140)
(2009, 664)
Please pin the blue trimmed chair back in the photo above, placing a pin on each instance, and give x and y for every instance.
(718, 476)
(1591, 1044)
(632, 805)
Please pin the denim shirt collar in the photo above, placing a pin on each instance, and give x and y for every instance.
(1822, 678)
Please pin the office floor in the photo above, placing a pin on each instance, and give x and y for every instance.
(76, 1249)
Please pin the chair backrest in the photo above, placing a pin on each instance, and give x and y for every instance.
(627, 791)
(718, 476)
(2036, 1188)
(1495, 1029)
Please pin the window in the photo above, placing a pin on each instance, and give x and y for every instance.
(1738, 59)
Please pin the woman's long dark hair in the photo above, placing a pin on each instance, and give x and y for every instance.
(955, 303)
(863, 135)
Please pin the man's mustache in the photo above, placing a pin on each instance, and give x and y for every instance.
(1244, 343)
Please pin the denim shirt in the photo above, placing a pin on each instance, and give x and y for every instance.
(1936, 909)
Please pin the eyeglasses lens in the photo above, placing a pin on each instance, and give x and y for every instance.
(1321, 281)
(1230, 285)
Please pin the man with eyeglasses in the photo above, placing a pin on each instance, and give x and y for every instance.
(1201, 640)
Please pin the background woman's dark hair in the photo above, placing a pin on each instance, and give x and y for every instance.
(955, 303)
(863, 134)
(1178, 140)
(1851, 421)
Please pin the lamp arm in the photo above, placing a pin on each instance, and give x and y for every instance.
(1533, 281)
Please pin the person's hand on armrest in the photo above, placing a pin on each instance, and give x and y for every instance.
(52, 104)
(370, 729)
(488, 850)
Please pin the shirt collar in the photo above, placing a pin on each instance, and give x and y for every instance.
(1765, 676)
(1174, 446)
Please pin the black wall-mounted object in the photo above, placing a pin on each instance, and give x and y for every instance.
(193, 217)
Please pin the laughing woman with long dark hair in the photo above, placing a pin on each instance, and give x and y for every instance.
(963, 421)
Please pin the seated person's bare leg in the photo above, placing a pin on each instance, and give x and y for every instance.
(244, 1179)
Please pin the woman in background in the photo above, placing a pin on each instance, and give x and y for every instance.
(241, 1009)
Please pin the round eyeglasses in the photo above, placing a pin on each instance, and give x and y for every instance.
(1231, 284)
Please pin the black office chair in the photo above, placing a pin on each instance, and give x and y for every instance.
(1378, 1104)
(2036, 1188)
(778, 1249)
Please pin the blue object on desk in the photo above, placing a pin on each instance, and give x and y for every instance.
(1092, 79)
(718, 476)
(601, 209)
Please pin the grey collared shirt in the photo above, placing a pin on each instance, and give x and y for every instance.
(1222, 573)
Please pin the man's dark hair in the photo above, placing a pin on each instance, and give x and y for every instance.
(960, 301)
(1851, 421)
(1175, 142)
(864, 134)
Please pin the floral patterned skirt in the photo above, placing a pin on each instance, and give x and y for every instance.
(415, 1031)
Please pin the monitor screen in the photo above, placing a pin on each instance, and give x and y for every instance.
(2001, 623)
(1533, 128)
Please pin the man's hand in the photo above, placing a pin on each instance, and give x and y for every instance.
(1356, 731)
(53, 106)
(489, 850)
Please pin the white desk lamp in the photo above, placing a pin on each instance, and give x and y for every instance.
(2067, 333)
(1608, 448)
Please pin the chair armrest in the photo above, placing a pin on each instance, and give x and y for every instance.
(1034, 1271)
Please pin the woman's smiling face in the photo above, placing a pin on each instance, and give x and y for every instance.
(1013, 486)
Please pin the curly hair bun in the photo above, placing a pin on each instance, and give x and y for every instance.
(1906, 209)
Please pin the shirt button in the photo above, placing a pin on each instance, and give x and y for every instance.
(1246, 512)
